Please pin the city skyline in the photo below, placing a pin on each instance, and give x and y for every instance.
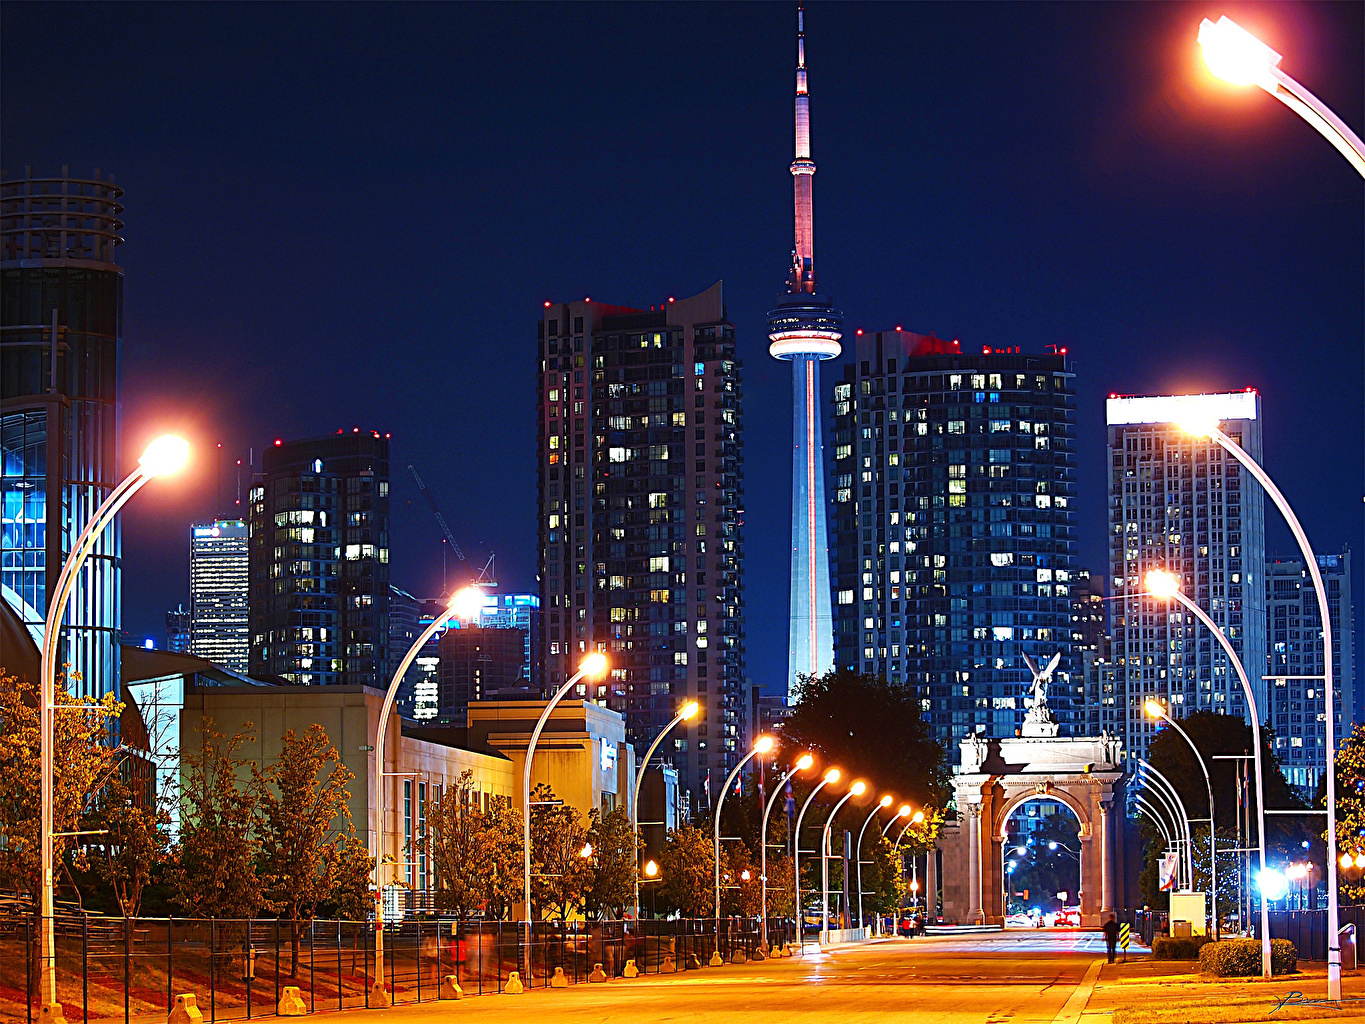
(1061, 261)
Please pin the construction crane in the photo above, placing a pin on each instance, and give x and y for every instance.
(485, 577)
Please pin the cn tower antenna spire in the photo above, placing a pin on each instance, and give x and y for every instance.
(803, 170)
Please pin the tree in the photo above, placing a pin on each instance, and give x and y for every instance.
(305, 827)
(134, 846)
(503, 885)
(615, 858)
(457, 835)
(215, 870)
(1350, 794)
(687, 867)
(560, 871)
(85, 764)
(739, 894)
(871, 730)
(884, 886)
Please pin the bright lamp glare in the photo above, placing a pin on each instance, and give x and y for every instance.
(689, 711)
(1052, 846)
(1160, 583)
(885, 801)
(467, 603)
(165, 455)
(1154, 709)
(919, 816)
(805, 762)
(858, 788)
(764, 744)
(586, 851)
(594, 664)
(1360, 860)
(1273, 884)
(1346, 860)
(1235, 55)
(832, 776)
(651, 868)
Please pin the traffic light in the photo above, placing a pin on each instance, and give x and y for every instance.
(1024, 894)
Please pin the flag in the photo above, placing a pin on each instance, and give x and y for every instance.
(707, 784)
(1169, 861)
(791, 803)
(739, 784)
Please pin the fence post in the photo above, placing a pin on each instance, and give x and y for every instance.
(170, 965)
(312, 967)
(419, 960)
(213, 974)
(85, 969)
(127, 963)
(277, 961)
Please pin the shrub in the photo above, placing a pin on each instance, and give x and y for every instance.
(1241, 958)
(1166, 948)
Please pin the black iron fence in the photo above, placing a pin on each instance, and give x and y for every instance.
(1307, 929)
(133, 968)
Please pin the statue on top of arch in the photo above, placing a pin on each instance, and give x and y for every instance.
(1040, 721)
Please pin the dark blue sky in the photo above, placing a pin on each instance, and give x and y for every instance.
(349, 215)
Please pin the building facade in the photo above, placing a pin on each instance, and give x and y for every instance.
(178, 625)
(518, 611)
(640, 528)
(319, 561)
(61, 327)
(955, 546)
(1182, 504)
(1294, 690)
(219, 599)
(476, 662)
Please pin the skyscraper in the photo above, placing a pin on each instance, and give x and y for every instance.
(476, 662)
(641, 491)
(518, 611)
(319, 561)
(805, 329)
(61, 324)
(1294, 638)
(178, 630)
(955, 527)
(1180, 503)
(218, 593)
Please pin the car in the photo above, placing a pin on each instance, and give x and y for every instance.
(1068, 917)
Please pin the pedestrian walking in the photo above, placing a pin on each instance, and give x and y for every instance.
(1111, 936)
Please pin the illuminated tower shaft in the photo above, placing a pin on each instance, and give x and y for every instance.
(804, 328)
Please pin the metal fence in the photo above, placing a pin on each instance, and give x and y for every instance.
(133, 968)
(1307, 929)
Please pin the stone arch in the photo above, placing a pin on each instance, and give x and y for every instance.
(1062, 796)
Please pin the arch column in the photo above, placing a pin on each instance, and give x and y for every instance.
(975, 915)
(1106, 859)
(931, 885)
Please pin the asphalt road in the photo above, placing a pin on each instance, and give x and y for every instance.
(1024, 977)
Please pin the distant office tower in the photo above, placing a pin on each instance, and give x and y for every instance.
(408, 616)
(1182, 504)
(1294, 638)
(641, 492)
(61, 317)
(219, 593)
(1090, 644)
(518, 611)
(955, 537)
(805, 329)
(178, 622)
(476, 664)
(320, 561)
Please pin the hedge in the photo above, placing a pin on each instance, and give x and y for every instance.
(1241, 958)
(1166, 948)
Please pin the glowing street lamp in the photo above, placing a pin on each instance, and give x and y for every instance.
(164, 456)
(651, 875)
(685, 714)
(904, 811)
(857, 789)
(802, 763)
(1156, 710)
(831, 777)
(1236, 56)
(761, 746)
(885, 801)
(1164, 585)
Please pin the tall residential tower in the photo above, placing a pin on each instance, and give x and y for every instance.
(805, 329)
(218, 593)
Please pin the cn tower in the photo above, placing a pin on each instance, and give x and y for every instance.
(804, 329)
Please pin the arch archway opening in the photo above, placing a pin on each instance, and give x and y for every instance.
(1041, 863)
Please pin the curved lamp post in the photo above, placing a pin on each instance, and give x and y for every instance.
(903, 811)
(802, 763)
(885, 801)
(915, 819)
(1163, 584)
(1236, 56)
(1206, 425)
(686, 713)
(463, 604)
(592, 666)
(1156, 710)
(761, 746)
(857, 789)
(1161, 786)
(1158, 818)
(831, 777)
(162, 457)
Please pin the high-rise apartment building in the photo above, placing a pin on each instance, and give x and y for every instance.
(61, 325)
(178, 624)
(641, 494)
(954, 510)
(1180, 503)
(319, 561)
(518, 611)
(1295, 694)
(219, 596)
(476, 663)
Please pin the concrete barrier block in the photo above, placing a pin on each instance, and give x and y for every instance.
(631, 970)
(693, 962)
(775, 953)
(598, 975)
(738, 957)
(450, 987)
(513, 986)
(758, 954)
(786, 949)
(668, 966)
(379, 996)
(557, 980)
(186, 1010)
(716, 960)
(291, 1003)
(51, 1013)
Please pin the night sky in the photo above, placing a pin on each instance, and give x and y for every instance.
(344, 216)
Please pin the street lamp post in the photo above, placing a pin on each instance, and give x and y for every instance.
(1156, 710)
(1167, 792)
(1163, 584)
(761, 746)
(592, 666)
(651, 876)
(1205, 425)
(831, 777)
(463, 604)
(162, 457)
(857, 789)
(1006, 876)
(802, 763)
(915, 819)
(686, 713)
(1236, 56)
(883, 802)
(902, 812)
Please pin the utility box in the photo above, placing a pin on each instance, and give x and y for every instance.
(1346, 939)
(1189, 909)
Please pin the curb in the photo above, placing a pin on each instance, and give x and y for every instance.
(1075, 1005)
